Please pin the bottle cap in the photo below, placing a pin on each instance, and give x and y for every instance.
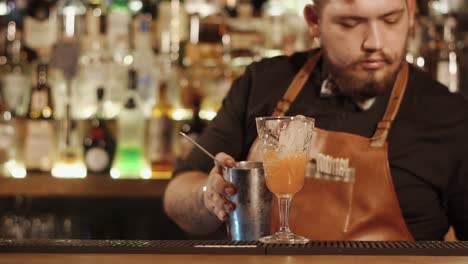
(100, 93)
(132, 79)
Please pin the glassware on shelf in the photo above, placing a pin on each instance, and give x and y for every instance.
(69, 163)
(286, 143)
(19, 226)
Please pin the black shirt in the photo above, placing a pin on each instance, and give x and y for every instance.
(428, 141)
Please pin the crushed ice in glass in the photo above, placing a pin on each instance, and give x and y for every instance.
(294, 137)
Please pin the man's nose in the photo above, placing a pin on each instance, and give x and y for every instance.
(373, 38)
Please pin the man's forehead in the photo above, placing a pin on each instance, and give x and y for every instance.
(362, 7)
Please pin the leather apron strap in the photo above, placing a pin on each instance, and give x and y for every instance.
(296, 85)
(399, 88)
(288, 98)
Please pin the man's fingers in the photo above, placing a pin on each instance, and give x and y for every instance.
(225, 160)
(218, 189)
(218, 204)
(220, 185)
(222, 216)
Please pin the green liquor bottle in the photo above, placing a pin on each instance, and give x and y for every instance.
(130, 161)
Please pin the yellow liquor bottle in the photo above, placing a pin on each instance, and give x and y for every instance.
(40, 131)
(160, 136)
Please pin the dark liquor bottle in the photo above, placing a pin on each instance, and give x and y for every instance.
(40, 105)
(194, 128)
(16, 11)
(99, 144)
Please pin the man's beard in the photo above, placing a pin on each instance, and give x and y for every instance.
(365, 85)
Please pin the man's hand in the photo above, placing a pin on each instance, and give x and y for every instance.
(217, 190)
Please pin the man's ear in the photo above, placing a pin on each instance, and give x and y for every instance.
(412, 12)
(311, 16)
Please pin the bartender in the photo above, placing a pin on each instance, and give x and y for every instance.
(404, 134)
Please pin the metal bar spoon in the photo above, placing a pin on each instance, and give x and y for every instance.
(203, 149)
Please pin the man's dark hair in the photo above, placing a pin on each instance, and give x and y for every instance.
(321, 3)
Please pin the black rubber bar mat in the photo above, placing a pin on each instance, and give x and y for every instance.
(423, 248)
(132, 246)
(426, 248)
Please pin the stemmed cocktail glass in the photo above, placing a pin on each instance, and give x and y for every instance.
(286, 142)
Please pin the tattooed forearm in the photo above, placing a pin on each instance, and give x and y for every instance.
(183, 202)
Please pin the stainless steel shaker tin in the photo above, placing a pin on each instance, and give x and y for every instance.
(252, 217)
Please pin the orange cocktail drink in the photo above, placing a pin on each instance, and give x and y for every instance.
(284, 172)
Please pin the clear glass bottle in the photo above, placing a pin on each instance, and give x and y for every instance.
(72, 18)
(93, 64)
(11, 164)
(99, 143)
(144, 61)
(172, 27)
(69, 162)
(118, 25)
(40, 132)
(447, 67)
(160, 135)
(40, 27)
(130, 160)
(118, 41)
(14, 80)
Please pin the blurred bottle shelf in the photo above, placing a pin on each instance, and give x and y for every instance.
(106, 87)
(44, 185)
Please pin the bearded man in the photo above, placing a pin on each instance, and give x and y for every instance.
(404, 133)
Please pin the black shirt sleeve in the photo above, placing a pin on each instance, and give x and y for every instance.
(224, 134)
(458, 195)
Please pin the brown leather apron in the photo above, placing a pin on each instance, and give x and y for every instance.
(366, 208)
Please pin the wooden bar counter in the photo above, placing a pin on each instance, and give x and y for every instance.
(44, 185)
(12, 258)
